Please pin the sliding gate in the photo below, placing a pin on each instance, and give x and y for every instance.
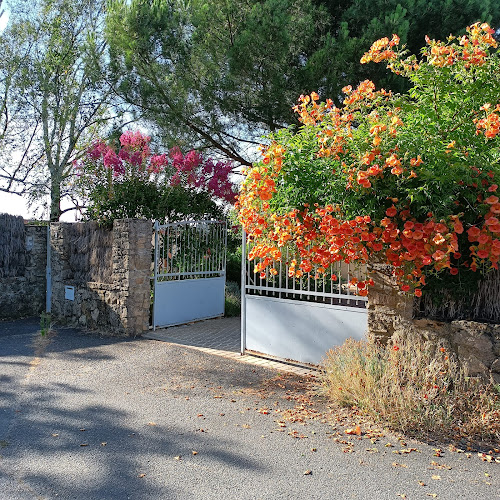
(189, 271)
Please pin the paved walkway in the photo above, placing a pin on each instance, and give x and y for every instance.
(221, 337)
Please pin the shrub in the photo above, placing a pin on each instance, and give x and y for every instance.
(406, 180)
(130, 181)
(414, 386)
(233, 299)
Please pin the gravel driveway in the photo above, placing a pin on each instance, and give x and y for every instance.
(86, 417)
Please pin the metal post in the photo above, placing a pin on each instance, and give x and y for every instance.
(243, 292)
(48, 276)
(156, 229)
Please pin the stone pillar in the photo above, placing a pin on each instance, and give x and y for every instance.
(131, 273)
(388, 307)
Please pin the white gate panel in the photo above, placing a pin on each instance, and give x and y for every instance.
(178, 302)
(189, 271)
(299, 331)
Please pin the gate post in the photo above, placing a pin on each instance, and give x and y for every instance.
(155, 253)
(48, 276)
(243, 291)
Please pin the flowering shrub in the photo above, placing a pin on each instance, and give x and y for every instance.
(131, 181)
(409, 180)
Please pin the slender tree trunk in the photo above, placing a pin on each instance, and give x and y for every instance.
(55, 200)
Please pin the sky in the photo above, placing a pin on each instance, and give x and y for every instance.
(9, 203)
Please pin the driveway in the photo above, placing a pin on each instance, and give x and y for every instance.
(84, 417)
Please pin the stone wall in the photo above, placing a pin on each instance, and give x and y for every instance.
(476, 344)
(117, 305)
(23, 268)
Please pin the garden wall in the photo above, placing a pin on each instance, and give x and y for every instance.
(23, 257)
(101, 277)
(477, 344)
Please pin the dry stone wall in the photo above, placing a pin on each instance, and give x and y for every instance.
(23, 257)
(476, 344)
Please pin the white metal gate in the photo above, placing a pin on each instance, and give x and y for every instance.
(189, 271)
(300, 318)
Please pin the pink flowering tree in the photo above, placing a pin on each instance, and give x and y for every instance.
(129, 181)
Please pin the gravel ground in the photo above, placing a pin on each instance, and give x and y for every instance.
(84, 417)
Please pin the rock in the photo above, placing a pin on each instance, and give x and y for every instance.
(495, 366)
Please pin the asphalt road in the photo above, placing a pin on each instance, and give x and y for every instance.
(94, 418)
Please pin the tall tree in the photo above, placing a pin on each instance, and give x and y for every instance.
(55, 96)
(216, 74)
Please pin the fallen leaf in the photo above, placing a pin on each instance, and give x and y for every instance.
(438, 452)
(440, 466)
(178, 457)
(141, 475)
(308, 473)
(395, 464)
(421, 483)
(485, 458)
(55, 435)
(245, 426)
(402, 495)
(151, 423)
(314, 449)
(84, 444)
(194, 452)
(356, 431)
(433, 495)
(436, 477)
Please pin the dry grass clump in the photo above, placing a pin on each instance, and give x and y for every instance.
(414, 386)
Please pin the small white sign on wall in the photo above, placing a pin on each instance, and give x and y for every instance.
(29, 243)
(69, 292)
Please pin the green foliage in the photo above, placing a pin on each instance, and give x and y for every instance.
(198, 69)
(141, 199)
(355, 24)
(232, 299)
(45, 323)
(218, 75)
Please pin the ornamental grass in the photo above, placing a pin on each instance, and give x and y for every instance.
(413, 386)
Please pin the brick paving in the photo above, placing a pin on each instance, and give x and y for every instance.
(220, 337)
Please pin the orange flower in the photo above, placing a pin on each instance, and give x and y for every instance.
(391, 211)
(491, 200)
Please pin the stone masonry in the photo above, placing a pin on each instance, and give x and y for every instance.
(476, 344)
(118, 307)
(23, 295)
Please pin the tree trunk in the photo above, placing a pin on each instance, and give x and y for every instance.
(55, 200)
